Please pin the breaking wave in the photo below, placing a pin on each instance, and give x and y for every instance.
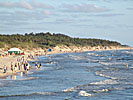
(100, 74)
(37, 93)
(105, 82)
(84, 93)
(70, 89)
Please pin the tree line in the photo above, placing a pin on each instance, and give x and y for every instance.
(46, 40)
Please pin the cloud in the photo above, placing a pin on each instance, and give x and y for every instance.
(40, 4)
(124, 26)
(8, 16)
(20, 4)
(85, 8)
(26, 5)
(129, 8)
(46, 12)
(21, 29)
(110, 1)
(107, 15)
(95, 26)
(65, 20)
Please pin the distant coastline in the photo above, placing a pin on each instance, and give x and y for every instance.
(48, 40)
(39, 44)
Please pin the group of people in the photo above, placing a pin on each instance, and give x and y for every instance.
(21, 64)
(38, 66)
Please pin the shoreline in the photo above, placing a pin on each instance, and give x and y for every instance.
(38, 52)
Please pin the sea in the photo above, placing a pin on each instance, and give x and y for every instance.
(92, 75)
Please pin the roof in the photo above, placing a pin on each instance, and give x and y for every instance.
(14, 49)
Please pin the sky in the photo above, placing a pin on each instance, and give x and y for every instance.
(102, 19)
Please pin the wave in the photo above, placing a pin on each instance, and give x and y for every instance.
(113, 63)
(30, 78)
(102, 90)
(46, 93)
(37, 93)
(93, 54)
(108, 89)
(84, 93)
(105, 82)
(128, 52)
(92, 86)
(76, 57)
(70, 89)
(2, 84)
(98, 73)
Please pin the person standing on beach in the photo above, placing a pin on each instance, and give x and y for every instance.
(15, 67)
(27, 66)
(18, 65)
(18, 59)
(5, 69)
(11, 66)
(24, 66)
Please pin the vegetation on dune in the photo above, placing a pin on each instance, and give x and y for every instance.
(46, 40)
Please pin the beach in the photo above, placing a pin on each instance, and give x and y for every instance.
(74, 76)
(7, 60)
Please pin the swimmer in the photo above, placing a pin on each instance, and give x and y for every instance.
(49, 57)
(126, 66)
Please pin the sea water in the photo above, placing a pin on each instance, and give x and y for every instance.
(93, 75)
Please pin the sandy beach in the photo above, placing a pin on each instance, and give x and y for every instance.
(7, 60)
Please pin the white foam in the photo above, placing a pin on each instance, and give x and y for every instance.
(103, 90)
(97, 73)
(105, 82)
(114, 63)
(84, 93)
(128, 52)
(70, 89)
(46, 93)
(103, 63)
(30, 78)
(76, 57)
(91, 53)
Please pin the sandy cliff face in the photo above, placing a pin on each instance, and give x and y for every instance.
(66, 49)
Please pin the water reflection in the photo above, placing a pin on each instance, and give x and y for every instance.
(13, 77)
(18, 76)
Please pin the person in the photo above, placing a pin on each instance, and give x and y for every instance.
(27, 66)
(109, 58)
(36, 65)
(21, 66)
(11, 66)
(18, 59)
(5, 69)
(40, 65)
(16, 67)
(126, 66)
(49, 57)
